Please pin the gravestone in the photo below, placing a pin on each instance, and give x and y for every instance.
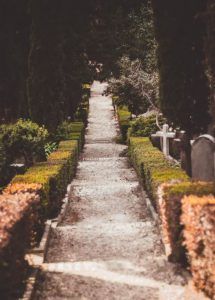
(203, 158)
(164, 136)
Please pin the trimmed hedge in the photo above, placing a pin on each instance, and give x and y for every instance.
(155, 171)
(27, 202)
(82, 112)
(166, 185)
(171, 196)
(18, 215)
(124, 117)
(53, 176)
(72, 131)
(152, 166)
(199, 231)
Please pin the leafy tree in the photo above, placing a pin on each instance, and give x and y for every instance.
(134, 88)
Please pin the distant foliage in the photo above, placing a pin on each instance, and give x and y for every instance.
(134, 88)
(141, 42)
(145, 126)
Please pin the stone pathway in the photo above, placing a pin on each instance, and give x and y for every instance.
(107, 246)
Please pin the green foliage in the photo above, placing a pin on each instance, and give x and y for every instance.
(144, 126)
(25, 205)
(134, 88)
(141, 43)
(24, 139)
(53, 175)
(82, 111)
(49, 148)
(124, 118)
(152, 166)
(66, 128)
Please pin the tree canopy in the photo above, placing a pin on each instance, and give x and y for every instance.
(50, 48)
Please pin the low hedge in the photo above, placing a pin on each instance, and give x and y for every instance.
(53, 176)
(152, 166)
(27, 202)
(166, 185)
(18, 215)
(82, 112)
(71, 131)
(171, 196)
(155, 171)
(199, 231)
(124, 117)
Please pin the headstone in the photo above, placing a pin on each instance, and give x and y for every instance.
(203, 158)
(164, 135)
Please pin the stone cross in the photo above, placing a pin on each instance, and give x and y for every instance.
(165, 135)
(203, 158)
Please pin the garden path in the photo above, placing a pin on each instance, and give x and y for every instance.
(107, 246)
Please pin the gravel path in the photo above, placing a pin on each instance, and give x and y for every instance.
(107, 246)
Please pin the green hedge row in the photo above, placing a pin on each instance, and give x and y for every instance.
(46, 181)
(152, 166)
(166, 185)
(124, 118)
(53, 176)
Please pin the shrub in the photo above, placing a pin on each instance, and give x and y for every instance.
(82, 112)
(26, 203)
(71, 131)
(170, 201)
(144, 126)
(124, 117)
(24, 139)
(152, 166)
(52, 176)
(199, 231)
(19, 214)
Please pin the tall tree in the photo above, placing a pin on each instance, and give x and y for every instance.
(184, 91)
(209, 18)
(46, 78)
(14, 46)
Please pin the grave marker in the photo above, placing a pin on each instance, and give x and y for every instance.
(164, 135)
(203, 158)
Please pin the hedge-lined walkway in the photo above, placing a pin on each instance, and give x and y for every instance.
(107, 246)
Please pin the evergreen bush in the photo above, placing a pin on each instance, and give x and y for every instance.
(24, 139)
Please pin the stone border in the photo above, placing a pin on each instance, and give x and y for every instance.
(36, 256)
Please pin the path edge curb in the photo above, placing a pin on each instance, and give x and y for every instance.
(37, 255)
